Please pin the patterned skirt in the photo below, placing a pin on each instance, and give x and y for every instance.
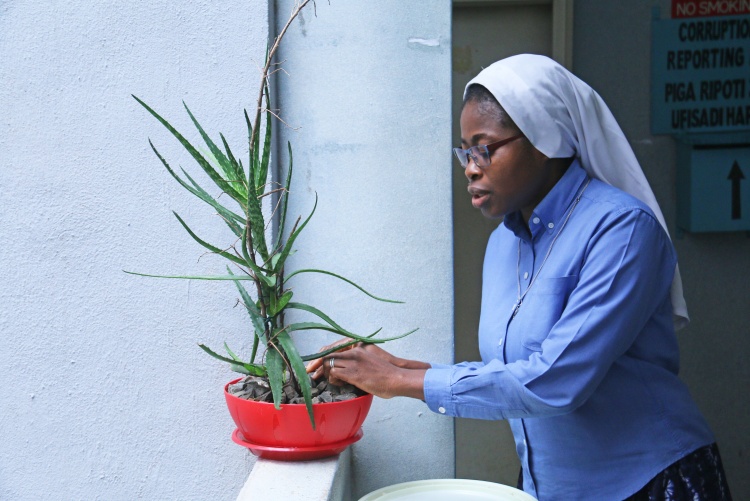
(699, 476)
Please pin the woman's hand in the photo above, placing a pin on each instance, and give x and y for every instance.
(316, 366)
(374, 370)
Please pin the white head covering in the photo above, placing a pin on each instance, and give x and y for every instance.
(563, 117)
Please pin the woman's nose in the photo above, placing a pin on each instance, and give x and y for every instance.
(472, 171)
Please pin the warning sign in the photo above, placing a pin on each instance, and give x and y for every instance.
(709, 8)
(700, 75)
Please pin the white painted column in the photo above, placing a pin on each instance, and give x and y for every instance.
(368, 85)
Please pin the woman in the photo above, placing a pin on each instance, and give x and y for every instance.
(579, 290)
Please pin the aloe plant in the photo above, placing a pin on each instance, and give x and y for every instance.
(255, 259)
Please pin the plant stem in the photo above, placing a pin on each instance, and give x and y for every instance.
(271, 53)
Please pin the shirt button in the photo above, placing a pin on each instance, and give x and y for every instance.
(551, 225)
(526, 275)
(535, 220)
(441, 410)
(500, 343)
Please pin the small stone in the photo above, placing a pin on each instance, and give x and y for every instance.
(266, 397)
(246, 394)
(289, 392)
(326, 397)
(344, 396)
(347, 388)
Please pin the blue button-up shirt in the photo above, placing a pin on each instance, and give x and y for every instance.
(586, 370)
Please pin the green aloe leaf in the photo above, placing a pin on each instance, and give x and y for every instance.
(262, 172)
(316, 312)
(255, 317)
(306, 326)
(256, 340)
(303, 326)
(240, 370)
(355, 340)
(225, 164)
(257, 224)
(255, 213)
(194, 277)
(208, 246)
(255, 370)
(310, 270)
(284, 203)
(269, 280)
(298, 367)
(323, 353)
(254, 205)
(240, 365)
(275, 369)
(339, 347)
(280, 303)
(205, 164)
(251, 165)
(252, 310)
(229, 217)
(239, 172)
(290, 241)
(233, 220)
(231, 353)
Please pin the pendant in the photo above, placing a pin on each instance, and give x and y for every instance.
(516, 306)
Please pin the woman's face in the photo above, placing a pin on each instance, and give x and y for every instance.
(518, 177)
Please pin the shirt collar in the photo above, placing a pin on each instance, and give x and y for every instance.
(548, 215)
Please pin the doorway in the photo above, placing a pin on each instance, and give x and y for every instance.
(483, 32)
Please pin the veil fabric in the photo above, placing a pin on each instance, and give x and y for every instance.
(563, 117)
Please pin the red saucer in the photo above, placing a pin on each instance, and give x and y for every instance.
(295, 453)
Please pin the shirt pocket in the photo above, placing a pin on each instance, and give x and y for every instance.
(545, 302)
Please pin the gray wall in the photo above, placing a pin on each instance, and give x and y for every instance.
(612, 53)
(369, 87)
(103, 391)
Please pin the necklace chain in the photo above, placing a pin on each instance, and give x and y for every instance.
(521, 297)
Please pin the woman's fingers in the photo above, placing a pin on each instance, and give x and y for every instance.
(332, 365)
(315, 367)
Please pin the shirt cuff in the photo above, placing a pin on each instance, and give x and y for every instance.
(440, 366)
(437, 389)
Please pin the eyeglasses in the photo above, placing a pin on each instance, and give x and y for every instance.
(481, 153)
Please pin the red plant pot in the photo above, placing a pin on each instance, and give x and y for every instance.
(287, 434)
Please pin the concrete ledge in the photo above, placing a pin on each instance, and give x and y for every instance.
(322, 480)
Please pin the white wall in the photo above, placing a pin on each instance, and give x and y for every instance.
(103, 391)
(369, 85)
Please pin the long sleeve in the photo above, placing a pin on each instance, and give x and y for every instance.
(625, 270)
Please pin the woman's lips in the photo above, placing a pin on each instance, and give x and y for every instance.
(478, 197)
